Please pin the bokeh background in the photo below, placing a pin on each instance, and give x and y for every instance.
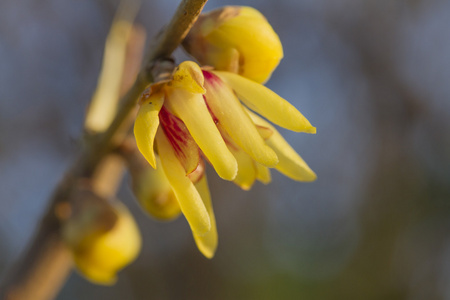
(371, 75)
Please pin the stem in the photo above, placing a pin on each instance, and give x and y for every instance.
(43, 268)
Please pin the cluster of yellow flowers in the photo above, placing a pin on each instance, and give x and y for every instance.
(198, 114)
(210, 113)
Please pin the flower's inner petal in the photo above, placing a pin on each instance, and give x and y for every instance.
(146, 124)
(264, 132)
(262, 173)
(231, 116)
(192, 110)
(224, 59)
(181, 140)
(246, 175)
(198, 173)
(189, 77)
(291, 164)
(267, 103)
(187, 195)
(206, 243)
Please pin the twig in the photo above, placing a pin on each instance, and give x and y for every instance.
(46, 259)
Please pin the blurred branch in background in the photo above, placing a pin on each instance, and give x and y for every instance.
(113, 77)
(46, 263)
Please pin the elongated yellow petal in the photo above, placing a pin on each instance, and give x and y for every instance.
(146, 124)
(232, 117)
(181, 140)
(264, 132)
(192, 110)
(262, 173)
(291, 164)
(246, 175)
(189, 199)
(267, 103)
(206, 243)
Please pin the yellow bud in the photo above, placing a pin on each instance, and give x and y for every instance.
(236, 39)
(100, 254)
(153, 190)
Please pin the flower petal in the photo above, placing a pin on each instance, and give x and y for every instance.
(154, 192)
(262, 173)
(224, 59)
(146, 124)
(231, 116)
(187, 195)
(181, 140)
(246, 175)
(192, 110)
(189, 77)
(206, 243)
(267, 103)
(264, 132)
(291, 164)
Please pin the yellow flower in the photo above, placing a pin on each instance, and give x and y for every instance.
(99, 254)
(237, 39)
(197, 113)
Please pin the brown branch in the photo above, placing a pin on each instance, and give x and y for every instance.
(44, 266)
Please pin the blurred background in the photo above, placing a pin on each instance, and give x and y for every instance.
(372, 76)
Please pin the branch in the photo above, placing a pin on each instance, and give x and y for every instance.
(165, 44)
(43, 268)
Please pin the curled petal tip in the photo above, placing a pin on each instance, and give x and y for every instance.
(290, 163)
(246, 187)
(230, 173)
(207, 243)
(313, 176)
(312, 130)
(189, 77)
(307, 175)
(146, 125)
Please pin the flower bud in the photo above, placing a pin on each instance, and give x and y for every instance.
(153, 190)
(236, 39)
(100, 248)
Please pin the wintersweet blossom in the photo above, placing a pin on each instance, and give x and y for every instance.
(197, 114)
(237, 39)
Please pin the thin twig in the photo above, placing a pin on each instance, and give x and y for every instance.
(46, 257)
